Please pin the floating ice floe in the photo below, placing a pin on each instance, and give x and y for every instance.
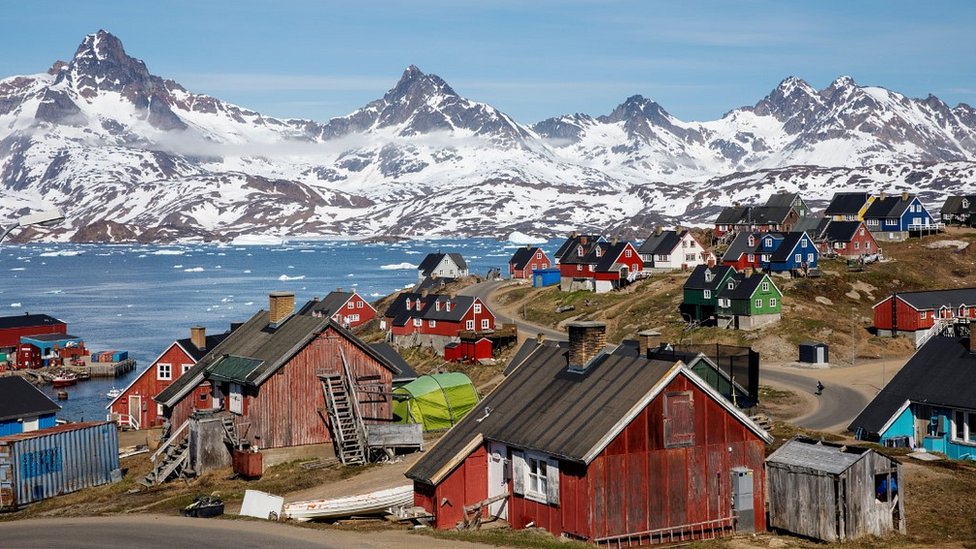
(247, 271)
(180, 266)
(521, 238)
(257, 240)
(15, 305)
(168, 252)
(55, 292)
(398, 266)
(285, 278)
(193, 270)
(61, 253)
(19, 269)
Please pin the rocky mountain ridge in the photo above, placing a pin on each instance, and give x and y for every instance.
(132, 156)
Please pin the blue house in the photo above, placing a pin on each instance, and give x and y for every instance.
(895, 218)
(930, 403)
(785, 252)
(23, 407)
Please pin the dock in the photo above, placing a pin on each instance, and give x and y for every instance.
(43, 376)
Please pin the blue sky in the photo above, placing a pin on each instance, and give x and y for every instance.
(532, 59)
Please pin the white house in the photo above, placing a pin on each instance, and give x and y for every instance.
(672, 250)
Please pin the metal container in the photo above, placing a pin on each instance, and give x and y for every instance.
(59, 460)
(248, 464)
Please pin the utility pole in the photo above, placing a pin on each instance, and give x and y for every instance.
(853, 341)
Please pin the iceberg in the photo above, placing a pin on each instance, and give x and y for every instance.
(398, 266)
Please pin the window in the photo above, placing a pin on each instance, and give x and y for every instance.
(447, 306)
(536, 477)
(185, 368)
(730, 285)
(861, 231)
(579, 267)
(867, 245)
(350, 305)
(432, 323)
(417, 322)
(872, 222)
(798, 258)
(809, 258)
(857, 245)
(765, 286)
(598, 251)
(751, 257)
(408, 303)
(592, 268)
(679, 419)
(803, 243)
(533, 266)
(236, 399)
(477, 308)
(579, 250)
(627, 252)
(164, 371)
(707, 294)
(964, 426)
(485, 324)
(921, 315)
(723, 302)
(437, 305)
(759, 303)
(891, 222)
(689, 257)
(159, 409)
(538, 480)
(538, 255)
(359, 304)
(769, 242)
(352, 318)
(469, 325)
(772, 302)
(963, 311)
(752, 240)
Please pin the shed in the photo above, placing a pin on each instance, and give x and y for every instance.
(468, 350)
(437, 401)
(545, 277)
(812, 352)
(834, 492)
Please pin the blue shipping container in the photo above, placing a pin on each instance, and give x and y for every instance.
(545, 277)
(50, 462)
(119, 356)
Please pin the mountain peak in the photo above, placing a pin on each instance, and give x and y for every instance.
(414, 82)
(101, 46)
(842, 82)
(100, 63)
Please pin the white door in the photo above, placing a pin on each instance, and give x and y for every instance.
(820, 355)
(498, 479)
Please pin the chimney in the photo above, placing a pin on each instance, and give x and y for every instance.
(648, 339)
(280, 305)
(586, 341)
(614, 241)
(573, 234)
(882, 195)
(904, 195)
(658, 230)
(540, 337)
(583, 240)
(339, 289)
(423, 293)
(198, 337)
(528, 246)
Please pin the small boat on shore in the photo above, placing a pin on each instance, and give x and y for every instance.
(113, 393)
(62, 395)
(380, 502)
(64, 379)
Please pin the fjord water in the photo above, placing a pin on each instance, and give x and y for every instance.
(141, 298)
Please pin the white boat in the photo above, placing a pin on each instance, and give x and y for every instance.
(113, 393)
(380, 502)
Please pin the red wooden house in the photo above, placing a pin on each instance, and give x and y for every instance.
(12, 328)
(419, 319)
(915, 313)
(848, 239)
(135, 408)
(599, 447)
(266, 375)
(527, 259)
(599, 266)
(348, 309)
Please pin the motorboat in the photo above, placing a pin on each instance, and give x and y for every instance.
(64, 379)
(113, 393)
(381, 502)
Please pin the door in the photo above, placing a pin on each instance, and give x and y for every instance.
(498, 479)
(820, 355)
(135, 410)
(32, 424)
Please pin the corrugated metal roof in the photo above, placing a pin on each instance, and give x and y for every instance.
(816, 456)
(235, 369)
(52, 431)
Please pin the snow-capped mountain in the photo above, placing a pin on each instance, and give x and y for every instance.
(131, 156)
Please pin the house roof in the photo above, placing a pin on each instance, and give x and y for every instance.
(954, 204)
(609, 255)
(730, 215)
(393, 357)
(329, 305)
(815, 455)
(939, 373)
(782, 200)
(934, 299)
(522, 256)
(744, 286)
(738, 246)
(196, 354)
(432, 260)
(572, 255)
(888, 207)
(542, 406)
(813, 226)
(52, 337)
(573, 241)
(663, 243)
(790, 241)
(28, 320)
(267, 348)
(841, 231)
(696, 281)
(846, 203)
(769, 214)
(20, 399)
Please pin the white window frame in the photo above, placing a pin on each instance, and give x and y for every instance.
(803, 243)
(184, 368)
(538, 255)
(164, 371)
(798, 258)
(707, 294)
(350, 305)
(485, 324)
(809, 258)
(579, 266)
(418, 322)
(431, 323)
(359, 304)
(765, 286)
(772, 302)
(968, 427)
(477, 308)
(469, 325)
(921, 315)
(759, 303)
(627, 253)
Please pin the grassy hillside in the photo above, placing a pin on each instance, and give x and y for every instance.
(826, 309)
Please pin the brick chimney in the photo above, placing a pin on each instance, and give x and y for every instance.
(198, 337)
(658, 230)
(586, 340)
(904, 195)
(280, 305)
(540, 337)
(882, 196)
(648, 339)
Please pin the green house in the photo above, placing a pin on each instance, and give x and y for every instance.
(746, 302)
(700, 291)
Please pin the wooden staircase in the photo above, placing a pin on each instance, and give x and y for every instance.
(231, 436)
(171, 459)
(342, 405)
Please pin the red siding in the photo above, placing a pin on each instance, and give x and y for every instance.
(198, 399)
(359, 307)
(908, 317)
(10, 337)
(466, 485)
(288, 408)
(147, 386)
(445, 328)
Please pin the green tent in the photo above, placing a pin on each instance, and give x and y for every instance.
(436, 401)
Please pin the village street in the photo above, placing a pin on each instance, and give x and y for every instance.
(121, 532)
(848, 389)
